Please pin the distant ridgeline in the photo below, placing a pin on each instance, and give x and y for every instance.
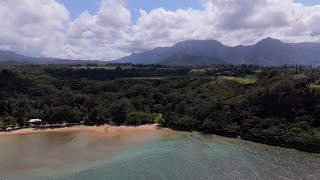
(267, 52)
(276, 106)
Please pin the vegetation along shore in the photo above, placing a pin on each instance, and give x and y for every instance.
(272, 105)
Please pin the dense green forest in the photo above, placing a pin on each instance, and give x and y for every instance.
(276, 106)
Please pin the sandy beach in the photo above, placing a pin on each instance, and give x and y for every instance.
(106, 130)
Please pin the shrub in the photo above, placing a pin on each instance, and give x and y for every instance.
(140, 118)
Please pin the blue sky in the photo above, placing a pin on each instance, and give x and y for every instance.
(76, 7)
(309, 2)
(114, 33)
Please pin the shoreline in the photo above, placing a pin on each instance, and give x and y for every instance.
(108, 130)
(112, 130)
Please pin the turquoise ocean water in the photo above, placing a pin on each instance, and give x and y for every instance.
(151, 155)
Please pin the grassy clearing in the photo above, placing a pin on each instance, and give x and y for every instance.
(101, 67)
(314, 86)
(94, 67)
(172, 77)
(249, 79)
(150, 78)
(198, 70)
(166, 77)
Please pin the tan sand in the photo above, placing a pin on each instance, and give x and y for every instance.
(105, 130)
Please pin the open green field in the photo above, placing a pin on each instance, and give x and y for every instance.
(149, 78)
(101, 67)
(198, 70)
(314, 86)
(249, 79)
(95, 67)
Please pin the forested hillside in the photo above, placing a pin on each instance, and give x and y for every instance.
(267, 52)
(276, 106)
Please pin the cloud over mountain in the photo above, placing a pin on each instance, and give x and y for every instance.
(31, 26)
(44, 27)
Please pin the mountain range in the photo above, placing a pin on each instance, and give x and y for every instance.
(12, 58)
(267, 52)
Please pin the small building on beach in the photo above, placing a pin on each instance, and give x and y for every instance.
(35, 122)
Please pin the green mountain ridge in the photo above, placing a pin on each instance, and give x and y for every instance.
(267, 52)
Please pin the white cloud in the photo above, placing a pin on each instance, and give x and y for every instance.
(161, 27)
(98, 36)
(231, 21)
(29, 26)
(43, 27)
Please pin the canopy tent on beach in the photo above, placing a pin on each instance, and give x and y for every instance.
(35, 120)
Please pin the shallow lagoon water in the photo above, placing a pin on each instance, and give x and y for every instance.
(149, 155)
